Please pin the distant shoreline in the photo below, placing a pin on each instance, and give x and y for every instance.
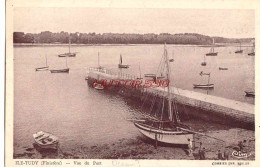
(64, 44)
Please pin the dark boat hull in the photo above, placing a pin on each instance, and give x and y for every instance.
(203, 63)
(250, 94)
(66, 70)
(220, 68)
(203, 86)
(123, 66)
(239, 51)
(251, 54)
(212, 54)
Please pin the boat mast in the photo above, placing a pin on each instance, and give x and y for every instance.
(98, 60)
(69, 43)
(140, 71)
(46, 60)
(168, 77)
(120, 61)
(66, 61)
(213, 45)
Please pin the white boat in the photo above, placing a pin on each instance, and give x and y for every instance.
(99, 86)
(46, 140)
(44, 68)
(169, 131)
(204, 86)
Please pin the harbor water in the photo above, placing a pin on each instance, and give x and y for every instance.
(66, 106)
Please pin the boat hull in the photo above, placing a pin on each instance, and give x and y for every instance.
(170, 137)
(123, 66)
(212, 54)
(66, 70)
(207, 86)
(99, 87)
(250, 94)
(67, 55)
(220, 68)
(42, 68)
(251, 54)
(203, 63)
(50, 141)
(239, 51)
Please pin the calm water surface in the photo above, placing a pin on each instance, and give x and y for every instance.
(64, 105)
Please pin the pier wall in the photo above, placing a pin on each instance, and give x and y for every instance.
(189, 103)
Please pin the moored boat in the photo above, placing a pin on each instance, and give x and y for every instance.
(69, 54)
(165, 130)
(46, 140)
(42, 68)
(212, 52)
(240, 50)
(250, 93)
(65, 70)
(99, 86)
(223, 68)
(120, 65)
(252, 53)
(203, 86)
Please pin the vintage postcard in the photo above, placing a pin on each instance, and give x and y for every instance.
(132, 83)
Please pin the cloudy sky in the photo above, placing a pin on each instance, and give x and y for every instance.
(225, 23)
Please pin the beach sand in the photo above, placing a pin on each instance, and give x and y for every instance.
(143, 148)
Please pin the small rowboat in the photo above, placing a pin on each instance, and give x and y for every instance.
(250, 93)
(123, 66)
(203, 63)
(212, 54)
(67, 55)
(251, 54)
(239, 51)
(42, 68)
(222, 68)
(149, 75)
(203, 86)
(99, 87)
(46, 140)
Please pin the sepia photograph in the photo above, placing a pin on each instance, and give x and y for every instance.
(133, 83)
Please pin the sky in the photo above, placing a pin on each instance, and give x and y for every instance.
(212, 22)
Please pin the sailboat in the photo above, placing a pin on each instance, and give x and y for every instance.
(204, 63)
(212, 53)
(253, 51)
(120, 65)
(63, 70)
(240, 50)
(69, 54)
(98, 86)
(44, 68)
(168, 130)
(204, 86)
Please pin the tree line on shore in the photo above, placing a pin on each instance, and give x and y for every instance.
(123, 38)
